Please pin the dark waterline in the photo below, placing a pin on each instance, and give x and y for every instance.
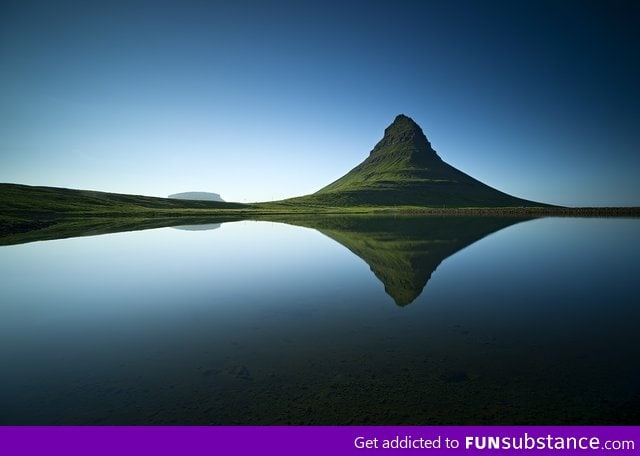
(416, 321)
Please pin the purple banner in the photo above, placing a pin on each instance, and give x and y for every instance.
(291, 440)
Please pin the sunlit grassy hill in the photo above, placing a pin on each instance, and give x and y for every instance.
(25, 208)
(404, 170)
(16, 198)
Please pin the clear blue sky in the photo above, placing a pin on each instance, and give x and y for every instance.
(261, 100)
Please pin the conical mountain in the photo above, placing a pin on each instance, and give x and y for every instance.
(404, 170)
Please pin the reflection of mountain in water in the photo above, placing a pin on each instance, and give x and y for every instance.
(72, 227)
(403, 252)
(203, 227)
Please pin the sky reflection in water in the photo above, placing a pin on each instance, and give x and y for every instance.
(261, 323)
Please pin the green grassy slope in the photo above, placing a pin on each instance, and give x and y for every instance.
(16, 199)
(403, 169)
(25, 209)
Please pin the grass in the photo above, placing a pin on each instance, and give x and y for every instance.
(25, 199)
(39, 213)
(403, 169)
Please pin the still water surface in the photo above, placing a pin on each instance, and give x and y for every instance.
(344, 321)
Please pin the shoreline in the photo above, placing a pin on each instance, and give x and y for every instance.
(20, 227)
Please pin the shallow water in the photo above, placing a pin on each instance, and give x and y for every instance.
(345, 321)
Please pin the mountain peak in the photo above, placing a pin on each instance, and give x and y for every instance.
(401, 118)
(404, 135)
(403, 125)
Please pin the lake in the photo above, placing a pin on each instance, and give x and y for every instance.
(335, 320)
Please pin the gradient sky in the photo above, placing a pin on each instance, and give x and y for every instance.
(261, 100)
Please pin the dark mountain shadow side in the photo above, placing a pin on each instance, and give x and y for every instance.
(403, 252)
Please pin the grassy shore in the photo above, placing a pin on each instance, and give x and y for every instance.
(39, 213)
